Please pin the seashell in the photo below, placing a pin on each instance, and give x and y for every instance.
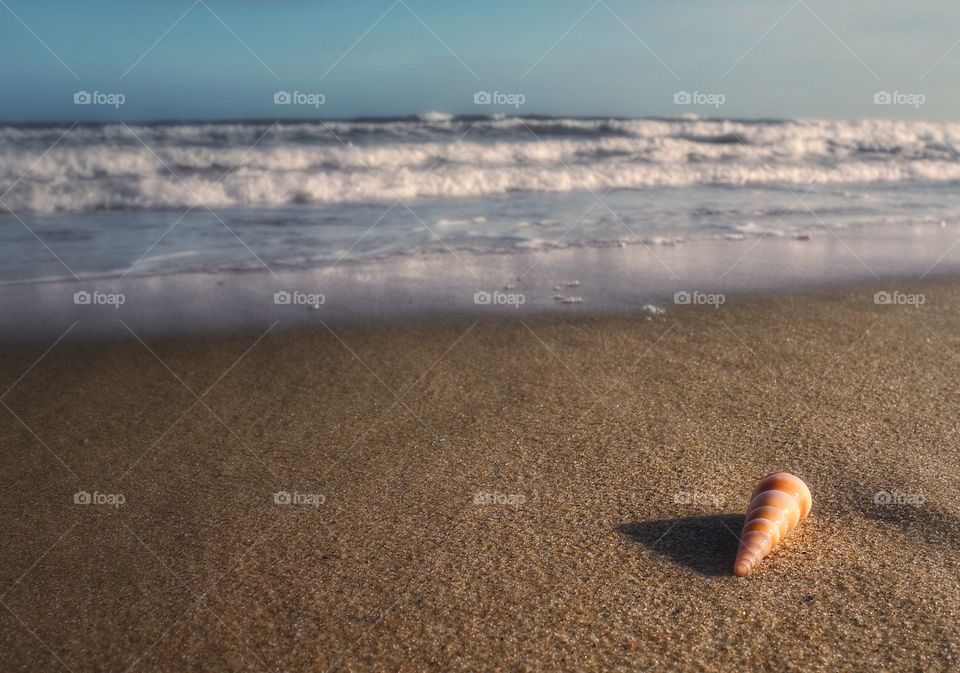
(780, 501)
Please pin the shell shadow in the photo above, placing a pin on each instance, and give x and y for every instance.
(706, 544)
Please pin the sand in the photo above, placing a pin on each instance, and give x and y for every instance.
(510, 494)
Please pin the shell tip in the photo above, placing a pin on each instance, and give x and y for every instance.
(741, 569)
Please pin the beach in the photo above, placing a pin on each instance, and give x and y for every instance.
(419, 337)
(505, 491)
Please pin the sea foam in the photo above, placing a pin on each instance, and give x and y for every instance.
(164, 166)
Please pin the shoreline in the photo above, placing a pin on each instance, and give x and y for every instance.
(591, 281)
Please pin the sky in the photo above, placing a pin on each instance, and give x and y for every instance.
(230, 59)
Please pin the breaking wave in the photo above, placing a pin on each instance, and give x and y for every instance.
(221, 165)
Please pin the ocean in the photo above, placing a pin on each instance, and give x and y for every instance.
(116, 200)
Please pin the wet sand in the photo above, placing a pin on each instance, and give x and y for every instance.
(502, 493)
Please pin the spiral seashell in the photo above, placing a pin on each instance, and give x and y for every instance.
(780, 501)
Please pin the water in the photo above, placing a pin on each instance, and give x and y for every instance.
(141, 200)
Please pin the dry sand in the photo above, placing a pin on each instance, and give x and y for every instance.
(621, 452)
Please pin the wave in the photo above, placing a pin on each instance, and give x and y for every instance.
(174, 166)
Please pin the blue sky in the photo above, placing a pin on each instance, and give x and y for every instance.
(175, 59)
